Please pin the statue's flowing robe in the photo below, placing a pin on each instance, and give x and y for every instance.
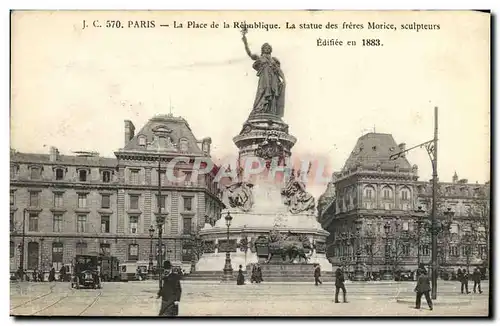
(270, 97)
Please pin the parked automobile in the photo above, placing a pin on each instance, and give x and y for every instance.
(86, 272)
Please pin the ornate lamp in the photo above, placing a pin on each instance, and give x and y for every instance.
(387, 273)
(228, 269)
(150, 266)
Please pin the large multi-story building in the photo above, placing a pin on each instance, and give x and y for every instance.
(376, 209)
(67, 205)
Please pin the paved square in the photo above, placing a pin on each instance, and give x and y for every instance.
(266, 299)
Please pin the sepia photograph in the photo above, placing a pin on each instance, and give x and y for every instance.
(320, 163)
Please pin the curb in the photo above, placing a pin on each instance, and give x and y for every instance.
(446, 302)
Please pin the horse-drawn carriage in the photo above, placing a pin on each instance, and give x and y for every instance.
(86, 272)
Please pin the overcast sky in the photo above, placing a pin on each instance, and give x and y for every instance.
(72, 88)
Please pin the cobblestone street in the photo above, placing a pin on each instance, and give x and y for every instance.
(215, 299)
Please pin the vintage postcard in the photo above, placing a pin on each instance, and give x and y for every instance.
(250, 163)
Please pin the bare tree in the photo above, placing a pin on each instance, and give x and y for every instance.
(480, 216)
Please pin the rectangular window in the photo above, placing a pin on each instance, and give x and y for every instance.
(105, 201)
(188, 176)
(12, 222)
(105, 249)
(57, 223)
(404, 195)
(162, 201)
(369, 193)
(425, 250)
(82, 200)
(13, 171)
(33, 222)
(405, 226)
(81, 248)
(81, 223)
(186, 225)
(134, 222)
(12, 198)
(133, 252)
(105, 224)
(163, 179)
(59, 174)
(454, 251)
(57, 252)
(82, 175)
(58, 200)
(134, 201)
(35, 173)
(387, 194)
(134, 177)
(34, 198)
(466, 251)
(406, 250)
(106, 176)
(188, 201)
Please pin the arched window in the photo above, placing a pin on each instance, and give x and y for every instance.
(369, 192)
(33, 249)
(386, 193)
(12, 249)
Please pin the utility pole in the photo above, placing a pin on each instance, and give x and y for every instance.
(434, 205)
(431, 147)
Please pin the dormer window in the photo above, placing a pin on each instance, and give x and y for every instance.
(106, 176)
(83, 175)
(59, 173)
(141, 140)
(13, 171)
(36, 172)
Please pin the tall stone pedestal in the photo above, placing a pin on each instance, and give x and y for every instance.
(264, 203)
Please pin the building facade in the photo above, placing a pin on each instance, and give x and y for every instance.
(66, 205)
(378, 213)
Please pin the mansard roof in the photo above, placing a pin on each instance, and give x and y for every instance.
(164, 133)
(36, 158)
(373, 150)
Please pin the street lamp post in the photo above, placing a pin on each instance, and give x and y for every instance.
(420, 222)
(41, 259)
(446, 228)
(387, 273)
(160, 220)
(432, 149)
(359, 275)
(228, 269)
(21, 254)
(150, 266)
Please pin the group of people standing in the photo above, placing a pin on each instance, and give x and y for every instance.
(463, 278)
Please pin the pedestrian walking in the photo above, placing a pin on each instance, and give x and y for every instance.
(476, 277)
(52, 275)
(317, 274)
(339, 285)
(170, 292)
(240, 280)
(464, 282)
(258, 274)
(423, 287)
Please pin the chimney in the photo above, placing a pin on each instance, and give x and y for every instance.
(53, 154)
(402, 147)
(205, 145)
(129, 131)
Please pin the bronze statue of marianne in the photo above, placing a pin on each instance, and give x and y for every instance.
(270, 97)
